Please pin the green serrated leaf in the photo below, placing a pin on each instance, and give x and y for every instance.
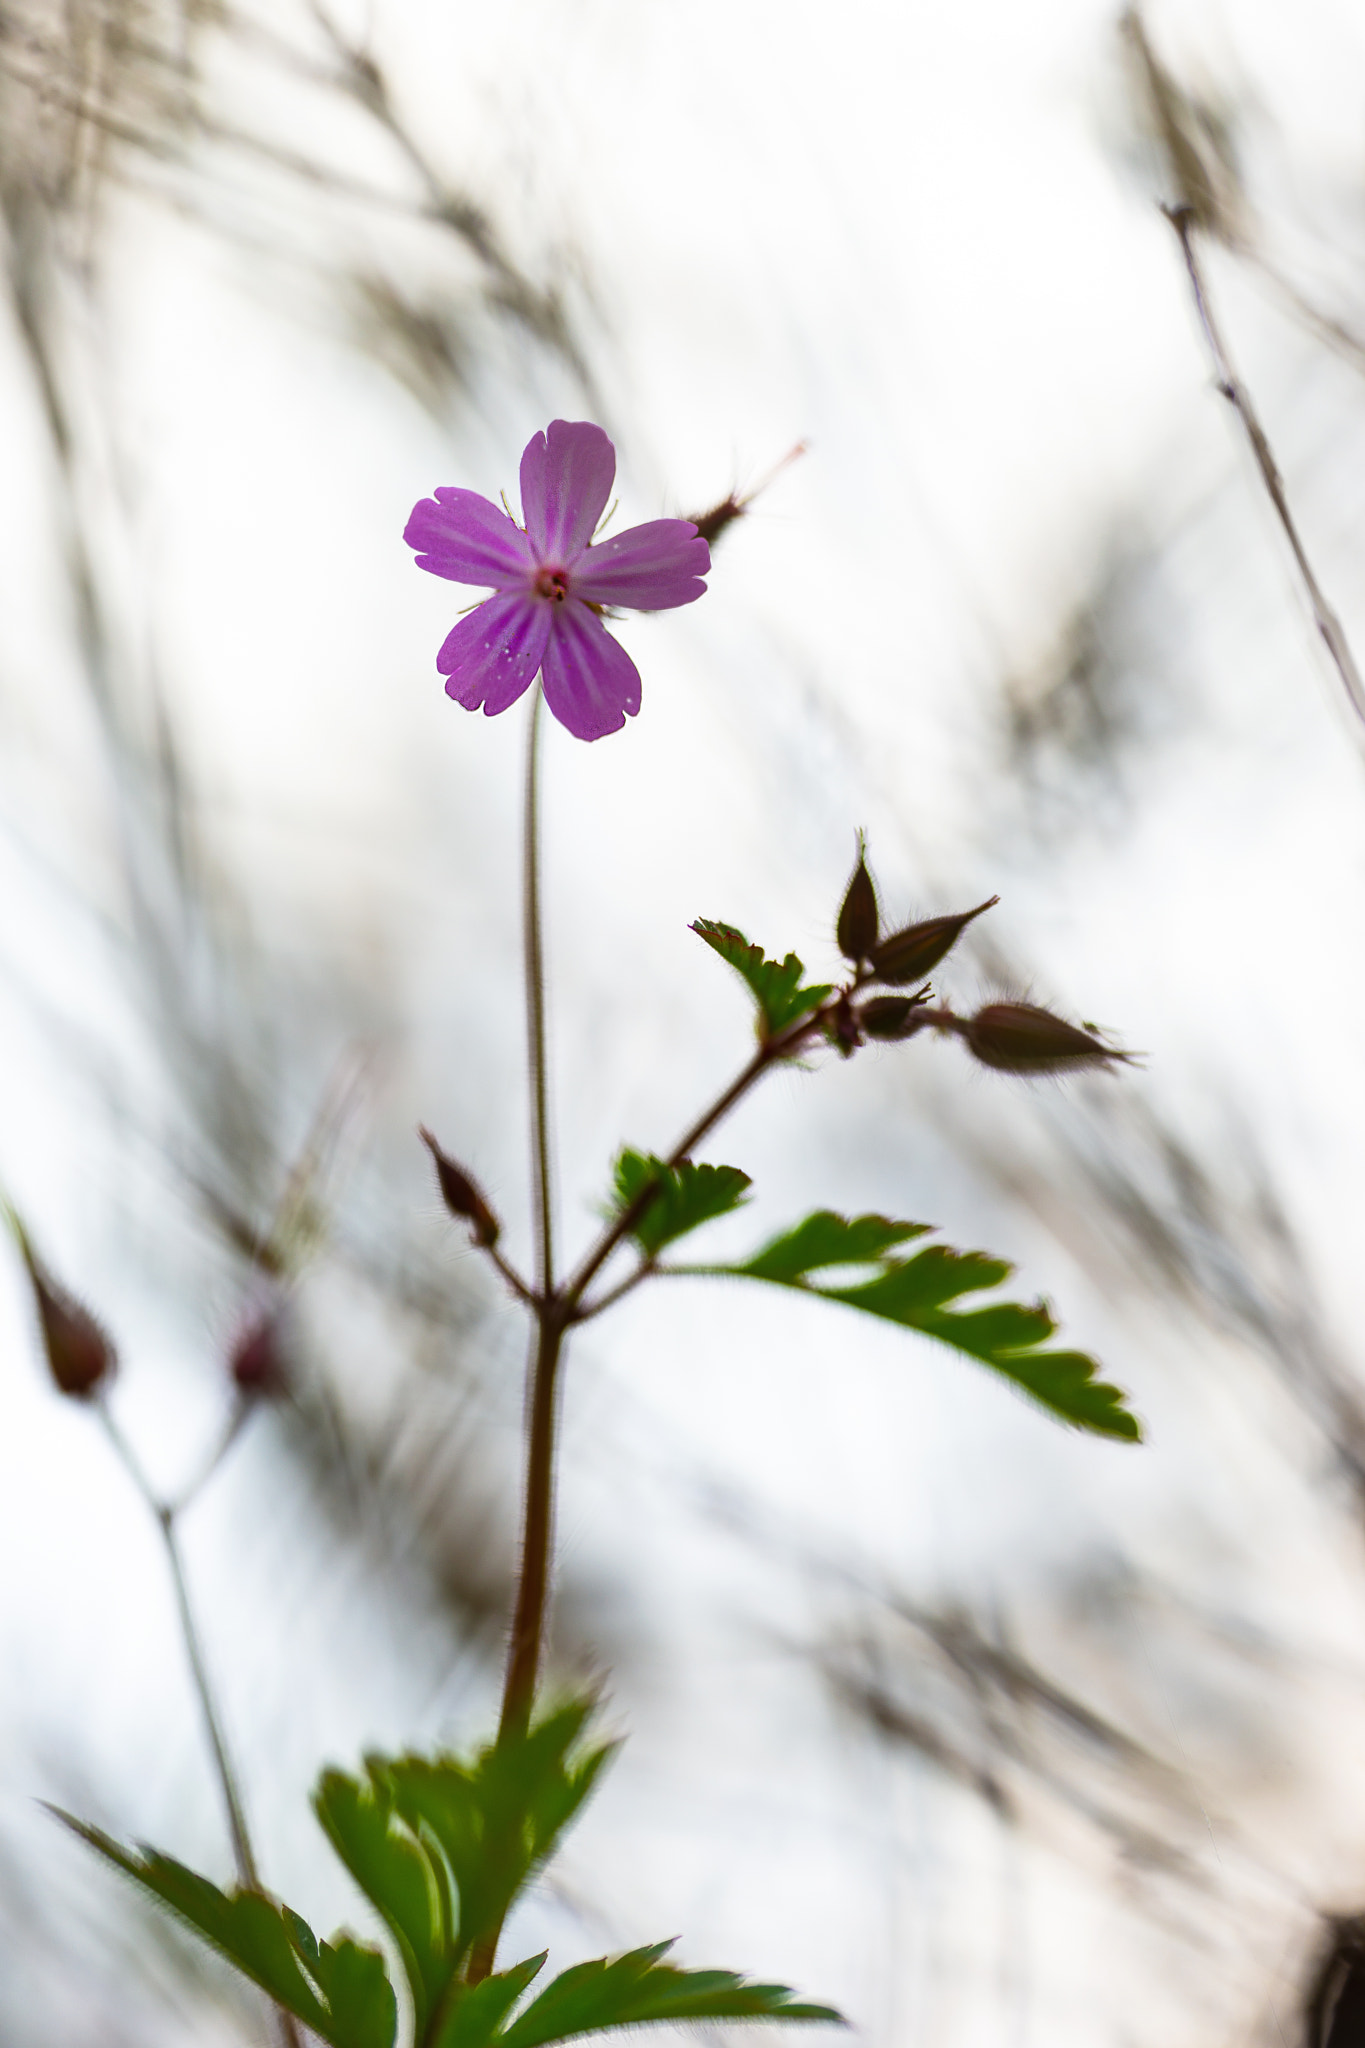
(495, 1819)
(687, 1196)
(339, 1988)
(397, 1875)
(480, 2009)
(917, 1291)
(633, 1989)
(825, 1239)
(775, 984)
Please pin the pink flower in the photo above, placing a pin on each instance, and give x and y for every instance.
(549, 583)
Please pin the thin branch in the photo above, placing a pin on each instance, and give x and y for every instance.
(1231, 387)
(164, 1514)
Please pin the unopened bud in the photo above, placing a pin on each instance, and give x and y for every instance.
(710, 525)
(911, 954)
(79, 1354)
(1019, 1038)
(856, 931)
(257, 1360)
(890, 1017)
(462, 1194)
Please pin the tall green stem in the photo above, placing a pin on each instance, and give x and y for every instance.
(528, 1620)
(536, 1057)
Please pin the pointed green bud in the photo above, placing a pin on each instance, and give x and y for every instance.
(911, 954)
(462, 1194)
(858, 922)
(1019, 1038)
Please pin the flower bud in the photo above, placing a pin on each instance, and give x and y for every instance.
(79, 1354)
(911, 954)
(257, 1360)
(462, 1194)
(893, 1017)
(1019, 1038)
(857, 928)
(710, 525)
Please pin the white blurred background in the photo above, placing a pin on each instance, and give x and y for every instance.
(993, 1736)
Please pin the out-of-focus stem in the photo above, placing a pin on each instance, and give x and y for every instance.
(165, 1513)
(1231, 387)
(242, 1852)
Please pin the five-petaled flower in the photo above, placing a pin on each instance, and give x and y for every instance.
(549, 582)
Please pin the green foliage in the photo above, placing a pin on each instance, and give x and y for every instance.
(917, 1292)
(626, 1990)
(441, 1847)
(339, 1988)
(775, 984)
(687, 1196)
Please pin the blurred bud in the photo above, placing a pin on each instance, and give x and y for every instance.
(462, 1194)
(889, 1017)
(79, 1355)
(911, 954)
(1018, 1038)
(257, 1360)
(711, 525)
(1195, 139)
(856, 931)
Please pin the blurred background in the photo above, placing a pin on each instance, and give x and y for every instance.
(987, 1733)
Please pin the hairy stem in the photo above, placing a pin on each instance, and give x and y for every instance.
(537, 1062)
(528, 1618)
(1231, 387)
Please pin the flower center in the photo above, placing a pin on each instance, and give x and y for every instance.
(552, 584)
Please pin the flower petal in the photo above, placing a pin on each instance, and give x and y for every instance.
(590, 682)
(462, 536)
(652, 567)
(566, 475)
(492, 656)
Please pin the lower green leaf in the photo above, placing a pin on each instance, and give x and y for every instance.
(339, 1988)
(633, 1989)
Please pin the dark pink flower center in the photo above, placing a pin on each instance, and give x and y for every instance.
(552, 584)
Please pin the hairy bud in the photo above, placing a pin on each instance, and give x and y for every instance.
(462, 1194)
(1019, 1038)
(856, 931)
(909, 955)
(80, 1356)
(710, 525)
(894, 1017)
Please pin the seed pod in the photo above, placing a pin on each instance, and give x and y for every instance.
(856, 931)
(462, 1194)
(911, 954)
(1019, 1038)
(893, 1017)
(80, 1356)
